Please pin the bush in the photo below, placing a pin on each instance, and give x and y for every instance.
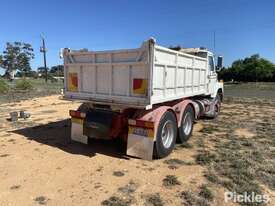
(205, 158)
(52, 79)
(23, 84)
(250, 69)
(4, 87)
(206, 193)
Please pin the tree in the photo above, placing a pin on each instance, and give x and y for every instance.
(16, 56)
(31, 73)
(42, 71)
(253, 68)
(57, 70)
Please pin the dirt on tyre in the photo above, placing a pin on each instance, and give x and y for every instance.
(187, 123)
(166, 135)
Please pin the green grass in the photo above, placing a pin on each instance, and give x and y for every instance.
(186, 145)
(4, 87)
(118, 173)
(192, 199)
(116, 201)
(205, 157)
(21, 89)
(128, 189)
(189, 197)
(206, 193)
(241, 164)
(23, 84)
(176, 163)
(153, 200)
(170, 180)
(212, 177)
(237, 166)
(210, 129)
(42, 200)
(251, 90)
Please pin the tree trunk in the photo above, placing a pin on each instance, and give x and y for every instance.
(9, 74)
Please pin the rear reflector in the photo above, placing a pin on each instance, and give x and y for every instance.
(73, 82)
(77, 114)
(140, 86)
(140, 123)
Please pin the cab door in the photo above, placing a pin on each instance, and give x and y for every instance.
(212, 76)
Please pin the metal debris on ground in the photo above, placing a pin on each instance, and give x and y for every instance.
(13, 116)
(22, 114)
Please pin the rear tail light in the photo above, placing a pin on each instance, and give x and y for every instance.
(141, 123)
(77, 114)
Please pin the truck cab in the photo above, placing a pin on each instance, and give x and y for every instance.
(214, 86)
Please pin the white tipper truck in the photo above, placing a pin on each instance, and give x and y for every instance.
(149, 96)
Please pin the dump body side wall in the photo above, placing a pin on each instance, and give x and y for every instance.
(177, 75)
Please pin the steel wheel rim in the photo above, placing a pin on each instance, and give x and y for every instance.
(187, 124)
(167, 134)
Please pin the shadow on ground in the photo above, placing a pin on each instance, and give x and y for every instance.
(57, 134)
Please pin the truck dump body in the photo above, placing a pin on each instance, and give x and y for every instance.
(137, 78)
(147, 92)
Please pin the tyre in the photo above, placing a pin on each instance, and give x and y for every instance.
(187, 123)
(166, 135)
(85, 107)
(217, 106)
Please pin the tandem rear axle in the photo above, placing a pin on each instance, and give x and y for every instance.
(149, 133)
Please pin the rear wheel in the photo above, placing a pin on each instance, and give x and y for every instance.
(85, 107)
(187, 122)
(166, 135)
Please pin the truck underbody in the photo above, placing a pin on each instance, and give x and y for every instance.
(148, 133)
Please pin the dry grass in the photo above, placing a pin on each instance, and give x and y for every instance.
(170, 181)
(241, 162)
(221, 155)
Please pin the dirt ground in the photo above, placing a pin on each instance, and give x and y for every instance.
(40, 165)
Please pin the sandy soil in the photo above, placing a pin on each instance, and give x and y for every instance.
(40, 165)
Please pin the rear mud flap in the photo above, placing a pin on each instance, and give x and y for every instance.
(140, 146)
(77, 131)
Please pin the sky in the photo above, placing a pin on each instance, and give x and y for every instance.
(241, 27)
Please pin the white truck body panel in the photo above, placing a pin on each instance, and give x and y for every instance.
(136, 78)
(177, 75)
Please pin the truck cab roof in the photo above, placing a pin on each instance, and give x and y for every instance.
(201, 51)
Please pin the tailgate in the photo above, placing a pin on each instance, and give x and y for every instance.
(111, 77)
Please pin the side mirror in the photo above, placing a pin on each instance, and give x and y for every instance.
(219, 63)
